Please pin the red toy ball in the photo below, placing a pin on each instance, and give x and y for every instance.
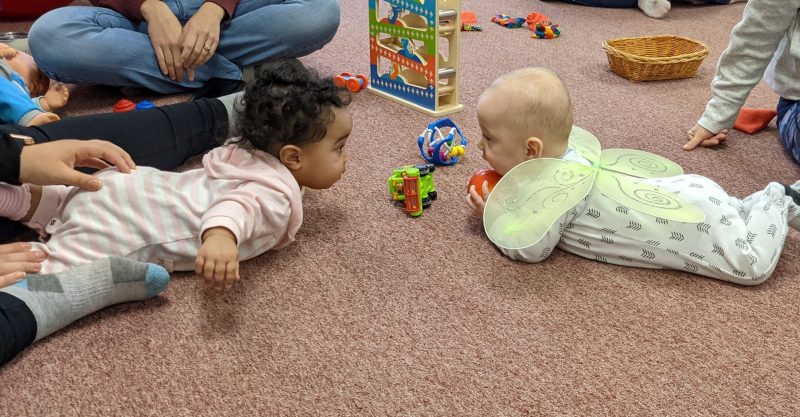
(482, 175)
(123, 106)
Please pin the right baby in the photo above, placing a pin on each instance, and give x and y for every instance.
(527, 114)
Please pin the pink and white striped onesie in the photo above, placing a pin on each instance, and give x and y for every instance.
(158, 216)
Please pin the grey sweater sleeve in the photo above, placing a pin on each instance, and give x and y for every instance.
(753, 43)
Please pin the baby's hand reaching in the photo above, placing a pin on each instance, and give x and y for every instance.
(218, 259)
(475, 201)
(55, 98)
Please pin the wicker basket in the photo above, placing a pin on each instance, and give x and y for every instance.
(650, 58)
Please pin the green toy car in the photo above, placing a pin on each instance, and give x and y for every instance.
(412, 186)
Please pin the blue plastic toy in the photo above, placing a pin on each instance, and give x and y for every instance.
(144, 104)
(440, 148)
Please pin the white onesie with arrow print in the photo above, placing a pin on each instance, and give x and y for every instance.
(740, 240)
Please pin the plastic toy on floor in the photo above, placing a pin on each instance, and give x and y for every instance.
(480, 176)
(442, 142)
(125, 105)
(353, 83)
(469, 22)
(752, 120)
(412, 187)
(27, 97)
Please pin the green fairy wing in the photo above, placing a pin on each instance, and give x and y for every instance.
(585, 143)
(638, 163)
(647, 198)
(530, 198)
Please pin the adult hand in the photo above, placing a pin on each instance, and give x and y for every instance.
(700, 136)
(55, 162)
(200, 37)
(16, 259)
(164, 30)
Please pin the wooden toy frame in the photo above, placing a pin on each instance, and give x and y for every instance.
(420, 77)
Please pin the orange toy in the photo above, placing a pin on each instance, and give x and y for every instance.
(353, 83)
(480, 176)
(468, 16)
(752, 120)
(534, 18)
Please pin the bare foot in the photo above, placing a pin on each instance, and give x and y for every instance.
(655, 8)
(43, 119)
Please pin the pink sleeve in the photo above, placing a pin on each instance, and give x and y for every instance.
(251, 211)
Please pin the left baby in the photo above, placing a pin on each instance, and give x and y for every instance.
(27, 97)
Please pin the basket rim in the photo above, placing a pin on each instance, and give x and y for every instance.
(697, 54)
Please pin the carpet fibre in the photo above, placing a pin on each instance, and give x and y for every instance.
(373, 313)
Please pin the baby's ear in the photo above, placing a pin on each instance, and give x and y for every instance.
(533, 148)
(291, 156)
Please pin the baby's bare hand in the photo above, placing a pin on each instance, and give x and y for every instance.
(218, 261)
(475, 201)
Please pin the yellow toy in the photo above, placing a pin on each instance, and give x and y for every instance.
(410, 62)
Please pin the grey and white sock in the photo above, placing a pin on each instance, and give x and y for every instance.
(57, 300)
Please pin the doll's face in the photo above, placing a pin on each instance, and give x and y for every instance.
(36, 81)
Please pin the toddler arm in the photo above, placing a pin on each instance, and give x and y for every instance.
(251, 212)
(752, 46)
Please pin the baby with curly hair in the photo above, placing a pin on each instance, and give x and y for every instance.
(244, 201)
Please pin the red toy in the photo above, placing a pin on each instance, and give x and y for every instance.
(480, 176)
(123, 106)
(353, 83)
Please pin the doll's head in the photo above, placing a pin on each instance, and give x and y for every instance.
(301, 119)
(23, 64)
(523, 115)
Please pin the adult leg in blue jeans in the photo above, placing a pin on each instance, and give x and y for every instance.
(789, 126)
(96, 45)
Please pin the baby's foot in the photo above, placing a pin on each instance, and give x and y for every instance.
(655, 8)
(43, 119)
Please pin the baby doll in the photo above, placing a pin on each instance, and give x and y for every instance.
(527, 114)
(244, 201)
(20, 80)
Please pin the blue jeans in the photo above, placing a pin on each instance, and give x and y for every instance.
(96, 45)
(789, 126)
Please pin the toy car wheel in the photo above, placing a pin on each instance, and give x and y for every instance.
(426, 202)
(432, 195)
(423, 170)
(364, 78)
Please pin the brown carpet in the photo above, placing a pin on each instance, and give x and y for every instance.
(373, 313)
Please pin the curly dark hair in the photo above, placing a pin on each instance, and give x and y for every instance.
(287, 104)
